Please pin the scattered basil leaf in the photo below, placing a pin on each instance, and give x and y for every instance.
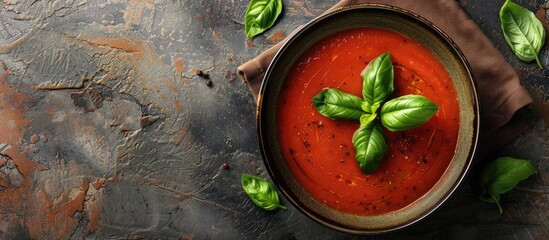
(523, 32)
(370, 144)
(377, 80)
(336, 104)
(261, 15)
(407, 112)
(502, 175)
(262, 192)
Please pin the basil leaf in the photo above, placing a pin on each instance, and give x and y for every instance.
(523, 32)
(377, 80)
(407, 112)
(336, 104)
(366, 107)
(367, 118)
(369, 108)
(261, 15)
(502, 175)
(262, 192)
(370, 144)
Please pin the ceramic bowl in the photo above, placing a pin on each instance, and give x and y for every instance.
(379, 16)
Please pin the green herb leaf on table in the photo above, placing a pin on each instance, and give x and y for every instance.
(523, 32)
(370, 144)
(502, 175)
(262, 192)
(377, 80)
(336, 104)
(407, 112)
(261, 15)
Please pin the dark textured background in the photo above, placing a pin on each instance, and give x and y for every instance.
(107, 132)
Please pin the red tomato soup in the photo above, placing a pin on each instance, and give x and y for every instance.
(320, 152)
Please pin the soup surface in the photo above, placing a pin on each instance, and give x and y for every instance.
(319, 151)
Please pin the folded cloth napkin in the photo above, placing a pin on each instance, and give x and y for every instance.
(500, 92)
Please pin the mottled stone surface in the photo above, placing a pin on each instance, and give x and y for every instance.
(107, 131)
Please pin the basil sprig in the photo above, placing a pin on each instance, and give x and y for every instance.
(502, 175)
(523, 32)
(336, 104)
(261, 192)
(398, 114)
(260, 16)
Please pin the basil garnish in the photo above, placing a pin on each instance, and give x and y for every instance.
(407, 112)
(370, 144)
(261, 15)
(262, 192)
(336, 104)
(377, 80)
(502, 175)
(367, 118)
(398, 114)
(523, 32)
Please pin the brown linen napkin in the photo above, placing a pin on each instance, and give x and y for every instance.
(500, 92)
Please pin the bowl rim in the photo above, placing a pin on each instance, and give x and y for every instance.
(474, 100)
